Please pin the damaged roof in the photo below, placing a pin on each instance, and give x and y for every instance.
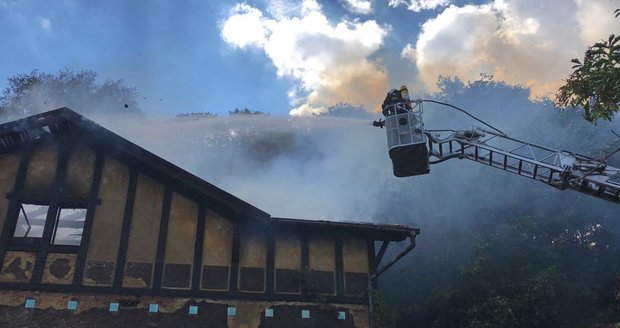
(56, 122)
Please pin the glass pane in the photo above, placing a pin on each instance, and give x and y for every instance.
(31, 221)
(69, 226)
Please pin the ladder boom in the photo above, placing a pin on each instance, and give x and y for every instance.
(557, 168)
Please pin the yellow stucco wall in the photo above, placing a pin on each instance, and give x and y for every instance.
(355, 255)
(80, 172)
(107, 224)
(252, 250)
(41, 171)
(322, 253)
(181, 237)
(181, 230)
(252, 255)
(9, 164)
(144, 232)
(218, 236)
(217, 248)
(287, 252)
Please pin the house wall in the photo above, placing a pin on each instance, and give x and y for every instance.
(41, 171)
(144, 233)
(287, 263)
(180, 243)
(145, 237)
(355, 258)
(217, 253)
(107, 224)
(252, 261)
(51, 310)
(323, 264)
(79, 172)
(9, 163)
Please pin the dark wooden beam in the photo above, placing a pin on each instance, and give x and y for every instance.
(234, 265)
(270, 269)
(199, 246)
(372, 265)
(338, 244)
(14, 203)
(90, 215)
(382, 250)
(305, 252)
(64, 150)
(161, 241)
(126, 229)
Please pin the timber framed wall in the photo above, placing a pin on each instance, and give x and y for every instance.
(148, 228)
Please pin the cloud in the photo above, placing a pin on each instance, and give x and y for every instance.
(419, 5)
(244, 27)
(45, 24)
(329, 62)
(358, 6)
(522, 42)
(595, 20)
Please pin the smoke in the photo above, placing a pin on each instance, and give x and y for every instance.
(330, 63)
(300, 167)
(338, 169)
(521, 42)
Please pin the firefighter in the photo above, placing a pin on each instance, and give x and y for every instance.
(393, 97)
(404, 94)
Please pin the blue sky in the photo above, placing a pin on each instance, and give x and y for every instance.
(188, 56)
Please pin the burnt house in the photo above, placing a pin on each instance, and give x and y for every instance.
(96, 225)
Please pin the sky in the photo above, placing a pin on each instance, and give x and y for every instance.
(299, 57)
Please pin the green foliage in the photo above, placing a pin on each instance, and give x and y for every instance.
(196, 115)
(245, 111)
(594, 84)
(308, 285)
(28, 94)
(383, 315)
(524, 275)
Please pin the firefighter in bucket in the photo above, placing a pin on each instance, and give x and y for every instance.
(405, 133)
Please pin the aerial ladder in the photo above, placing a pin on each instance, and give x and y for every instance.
(413, 148)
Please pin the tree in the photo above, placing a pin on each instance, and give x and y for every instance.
(595, 82)
(531, 273)
(194, 115)
(36, 92)
(245, 111)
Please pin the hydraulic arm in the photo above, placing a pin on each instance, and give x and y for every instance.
(412, 148)
(557, 168)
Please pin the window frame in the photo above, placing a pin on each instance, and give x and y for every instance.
(34, 243)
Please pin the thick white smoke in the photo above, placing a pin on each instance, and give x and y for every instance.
(315, 167)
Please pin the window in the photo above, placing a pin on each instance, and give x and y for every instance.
(68, 224)
(31, 221)
(68, 227)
